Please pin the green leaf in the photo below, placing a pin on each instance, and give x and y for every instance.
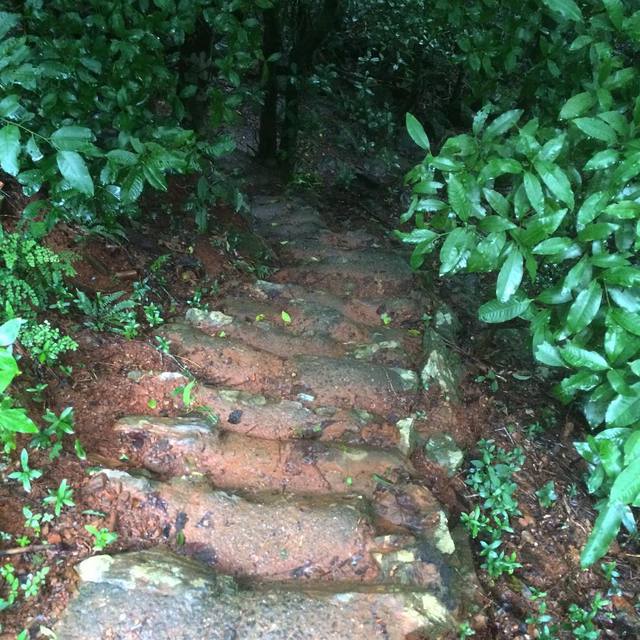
(615, 9)
(8, 105)
(577, 105)
(495, 224)
(628, 321)
(624, 410)
(510, 276)
(9, 149)
(585, 308)
(626, 486)
(580, 358)
(455, 250)
(552, 149)
(597, 129)
(602, 160)
(417, 235)
(8, 369)
(16, 420)
(497, 202)
(417, 132)
(549, 355)
(534, 192)
(557, 182)
(566, 8)
(75, 172)
(132, 186)
(123, 157)
(154, 175)
(604, 531)
(9, 331)
(72, 138)
(495, 311)
(286, 318)
(458, 199)
(502, 124)
(553, 246)
(591, 208)
(33, 150)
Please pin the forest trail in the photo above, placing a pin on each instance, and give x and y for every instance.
(299, 513)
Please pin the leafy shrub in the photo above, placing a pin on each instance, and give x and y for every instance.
(551, 206)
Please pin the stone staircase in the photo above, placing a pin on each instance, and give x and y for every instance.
(298, 514)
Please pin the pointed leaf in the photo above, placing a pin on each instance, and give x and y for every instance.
(495, 311)
(585, 308)
(624, 410)
(580, 358)
(626, 486)
(534, 192)
(75, 172)
(604, 531)
(9, 149)
(577, 105)
(510, 276)
(458, 198)
(417, 132)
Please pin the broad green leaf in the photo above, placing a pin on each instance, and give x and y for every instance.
(624, 210)
(417, 132)
(594, 128)
(75, 172)
(458, 198)
(8, 105)
(551, 149)
(132, 186)
(577, 105)
(123, 157)
(580, 358)
(585, 308)
(455, 250)
(632, 447)
(566, 8)
(626, 486)
(502, 124)
(33, 150)
(497, 167)
(597, 231)
(549, 355)
(444, 163)
(581, 381)
(154, 175)
(602, 160)
(495, 311)
(534, 192)
(510, 276)
(72, 138)
(16, 420)
(591, 208)
(417, 235)
(628, 321)
(9, 331)
(604, 531)
(286, 318)
(495, 224)
(8, 368)
(624, 276)
(624, 410)
(553, 246)
(9, 149)
(557, 182)
(497, 202)
(615, 9)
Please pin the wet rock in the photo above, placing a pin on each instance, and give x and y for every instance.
(177, 446)
(214, 320)
(441, 366)
(157, 595)
(443, 450)
(274, 538)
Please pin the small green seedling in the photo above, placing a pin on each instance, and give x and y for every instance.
(547, 494)
(61, 497)
(101, 537)
(286, 318)
(25, 475)
(79, 449)
(34, 583)
(163, 344)
(465, 631)
(152, 403)
(386, 319)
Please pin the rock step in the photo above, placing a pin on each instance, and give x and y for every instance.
(404, 310)
(360, 274)
(265, 417)
(340, 382)
(271, 537)
(312, 329)
(162, 596)
(190, 447)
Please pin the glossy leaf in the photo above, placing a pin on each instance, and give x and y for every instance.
(510, 276)
(495, 311)
(584, 309)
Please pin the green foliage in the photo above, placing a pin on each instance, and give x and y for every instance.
(101, 537)
(96, 100)
(490, 478)
(551, 205)
(547, 494)
(61, 497)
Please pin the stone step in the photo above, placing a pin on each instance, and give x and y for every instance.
(158, 595)
(261, 416)
(177, 446)
(270, 537)
(360, 274)
(267, 331)
(339, 382)
(404, 310)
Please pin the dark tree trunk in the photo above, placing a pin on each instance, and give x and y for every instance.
(271, 44)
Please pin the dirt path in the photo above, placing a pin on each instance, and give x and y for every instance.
(303, 489)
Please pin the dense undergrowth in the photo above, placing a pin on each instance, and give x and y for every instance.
(530, 125)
